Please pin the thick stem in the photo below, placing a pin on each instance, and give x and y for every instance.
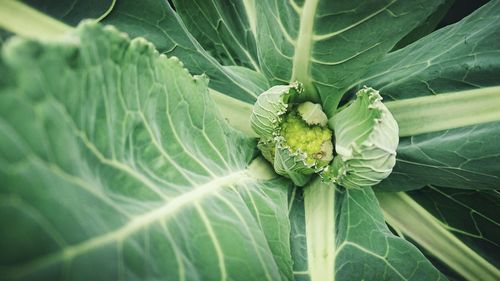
(406, 215)
(319, 202)
(446, 111)
(21, 19)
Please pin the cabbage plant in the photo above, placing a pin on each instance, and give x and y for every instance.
(249, 140)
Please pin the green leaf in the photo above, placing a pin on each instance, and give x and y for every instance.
(459, 57)
(72, 12)
(454, 226)
(346, 229)
(328, 46)
(291, 166)
(115, 164)
(157, 22)
(226, 29)
(465, 158)
(428, 26)
(471, 215)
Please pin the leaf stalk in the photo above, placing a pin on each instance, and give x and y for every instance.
(405, 214)
(23, 20)
(446, 111)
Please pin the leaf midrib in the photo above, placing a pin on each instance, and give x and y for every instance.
(135, 224)
(302, 54)
(401, 211)
(249, 6)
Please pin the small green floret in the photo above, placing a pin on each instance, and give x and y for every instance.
(294, 137)
(305, 138)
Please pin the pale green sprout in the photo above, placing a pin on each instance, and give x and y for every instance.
(294, 137)
(366, 138)
(312, 113)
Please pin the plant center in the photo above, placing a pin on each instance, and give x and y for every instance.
(309, 139)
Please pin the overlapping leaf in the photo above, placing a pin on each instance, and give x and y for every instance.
(459, 57)
(125, 164)
(365, 249)
(456, 229)
(226, 29)
(328, 46)
(115, 165)
(72, 12)
(156, 21)
(426, 27)
(470, 215)
(465, 158)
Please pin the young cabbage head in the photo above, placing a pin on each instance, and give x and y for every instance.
(295, 137)
(366, 138)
